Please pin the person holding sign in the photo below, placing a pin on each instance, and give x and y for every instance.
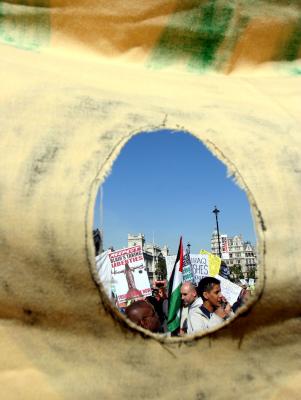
(214, 310)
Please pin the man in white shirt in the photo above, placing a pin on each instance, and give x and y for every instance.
(207, 308)
(190, 302)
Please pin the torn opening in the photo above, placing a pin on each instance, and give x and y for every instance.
(175, 249)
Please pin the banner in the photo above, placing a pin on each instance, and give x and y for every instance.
(204, 264)
(225, 247)
(129, 273)
(187, 269)
(214, 262)
(200, 266)
(104, 271)
(229, 290)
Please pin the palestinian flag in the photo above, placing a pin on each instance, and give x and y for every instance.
(174, 291)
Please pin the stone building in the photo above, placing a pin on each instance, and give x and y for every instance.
(152, 253)
(235, 251)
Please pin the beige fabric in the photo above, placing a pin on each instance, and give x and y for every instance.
(64, 118)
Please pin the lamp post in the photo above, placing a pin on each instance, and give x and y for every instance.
(216, 211)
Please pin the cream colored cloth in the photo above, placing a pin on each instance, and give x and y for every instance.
(64, 119)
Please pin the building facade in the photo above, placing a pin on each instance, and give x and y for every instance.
(235, 251)
(152, 253)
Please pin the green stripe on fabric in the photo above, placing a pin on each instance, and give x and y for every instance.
(174, 325)
(194, 34)
(26, 26)
(210, 33)
(296, 71)
(292, 48)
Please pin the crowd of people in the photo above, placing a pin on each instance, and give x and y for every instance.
(203, 307)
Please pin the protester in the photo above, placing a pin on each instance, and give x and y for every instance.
(207, 307)
(155, 303)
(163, 309)
(191, 305)
(183, 320)
(241, 300)
(160, 304)
(224, 270)
(143, 314)
(214, 310)
(162, 293)
(202, 308)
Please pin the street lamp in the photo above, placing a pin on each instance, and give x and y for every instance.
(216, 211)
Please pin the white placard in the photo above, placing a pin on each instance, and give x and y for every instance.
(129, 274)
(229, 289)
(200, 266)
(104, 271)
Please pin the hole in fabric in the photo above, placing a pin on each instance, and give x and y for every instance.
(175, 246)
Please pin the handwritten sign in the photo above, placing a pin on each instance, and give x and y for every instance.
(200, 266)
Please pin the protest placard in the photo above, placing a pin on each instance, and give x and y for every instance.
(225, 247)
(200, 266)
(229, 289)
(187, 269)
(129, 273)
(214, 262)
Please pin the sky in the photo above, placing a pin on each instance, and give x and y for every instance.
(165, 184)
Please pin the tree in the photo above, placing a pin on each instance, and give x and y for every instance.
(251, 273)
(236, 272)
(160, 270)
